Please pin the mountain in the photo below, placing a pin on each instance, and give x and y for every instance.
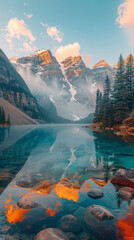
(102, 63)
(14, 89)
(99, 72)
(66, 91)
(76, 74)
(64, 88)
(17, 117)
(43, 62)
(125, 61)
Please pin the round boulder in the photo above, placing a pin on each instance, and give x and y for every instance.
(124, 177)
(51, 234)
(95, 193)
(71, 236)
(84, 236)
(27, 201)
(70, 223)
(101, 213)
(100, 222)
(126, 193)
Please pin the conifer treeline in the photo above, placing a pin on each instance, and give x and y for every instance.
(3, 119)
(116, 104)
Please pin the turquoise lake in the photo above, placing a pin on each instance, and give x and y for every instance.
(46, 172)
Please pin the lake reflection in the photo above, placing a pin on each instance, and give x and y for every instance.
(46, 173)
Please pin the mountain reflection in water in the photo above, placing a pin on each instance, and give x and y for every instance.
(49, 169)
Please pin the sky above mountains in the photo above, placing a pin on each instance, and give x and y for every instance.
(93, 29)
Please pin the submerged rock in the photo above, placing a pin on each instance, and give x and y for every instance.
(71, 236)
(51, 234)
(126, 193)
(100, 223)
(124, 177)
(95, 193)
(27, 201)
(70, 223)
(100, 213)
(84, 236)
(130, 129)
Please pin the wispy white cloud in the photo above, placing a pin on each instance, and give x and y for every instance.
(67, 51)
(28, 16)
(126, 17)
(53, 32)
(43, 24)
(17, 29)
(27, 47)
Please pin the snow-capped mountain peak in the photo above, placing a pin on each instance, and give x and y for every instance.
(69, 87)
(40, 51)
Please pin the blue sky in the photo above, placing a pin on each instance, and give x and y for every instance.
(51, 24)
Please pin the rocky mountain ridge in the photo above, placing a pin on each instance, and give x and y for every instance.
(14, 89)
(69, 87)
(65, 86)
(100, 64)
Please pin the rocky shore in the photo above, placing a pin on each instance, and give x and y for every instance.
(125, 129)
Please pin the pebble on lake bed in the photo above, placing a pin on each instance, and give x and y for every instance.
(99, 212)
(95, 193)
(124, 177)
(71, 236)
(126, 193)
(70, 223)
(51, 234)
(27, 201)
(100, 222)
(84, 236)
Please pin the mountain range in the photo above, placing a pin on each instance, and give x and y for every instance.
(69, 86)
(46, 90)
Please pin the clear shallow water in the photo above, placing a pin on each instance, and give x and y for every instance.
(46, 172)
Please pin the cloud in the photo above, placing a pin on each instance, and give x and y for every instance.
(18, 29)
(54, 33)
(67, 51)
(28, 16)
(126, 17)
(43, 24)
(27, 47)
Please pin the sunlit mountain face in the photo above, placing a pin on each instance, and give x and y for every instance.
(67, 88)
(68, 175)
(70, 86)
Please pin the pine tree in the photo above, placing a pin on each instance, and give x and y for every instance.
(98, 110)
(97, 106)
(129, 78)
(100, 113)
(106, 103)
(2, 116)
(8, 120)
(120, 95)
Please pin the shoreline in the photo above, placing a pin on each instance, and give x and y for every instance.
(5, 125)
(120, 130)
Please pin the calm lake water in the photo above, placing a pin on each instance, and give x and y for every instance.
(46, 172)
